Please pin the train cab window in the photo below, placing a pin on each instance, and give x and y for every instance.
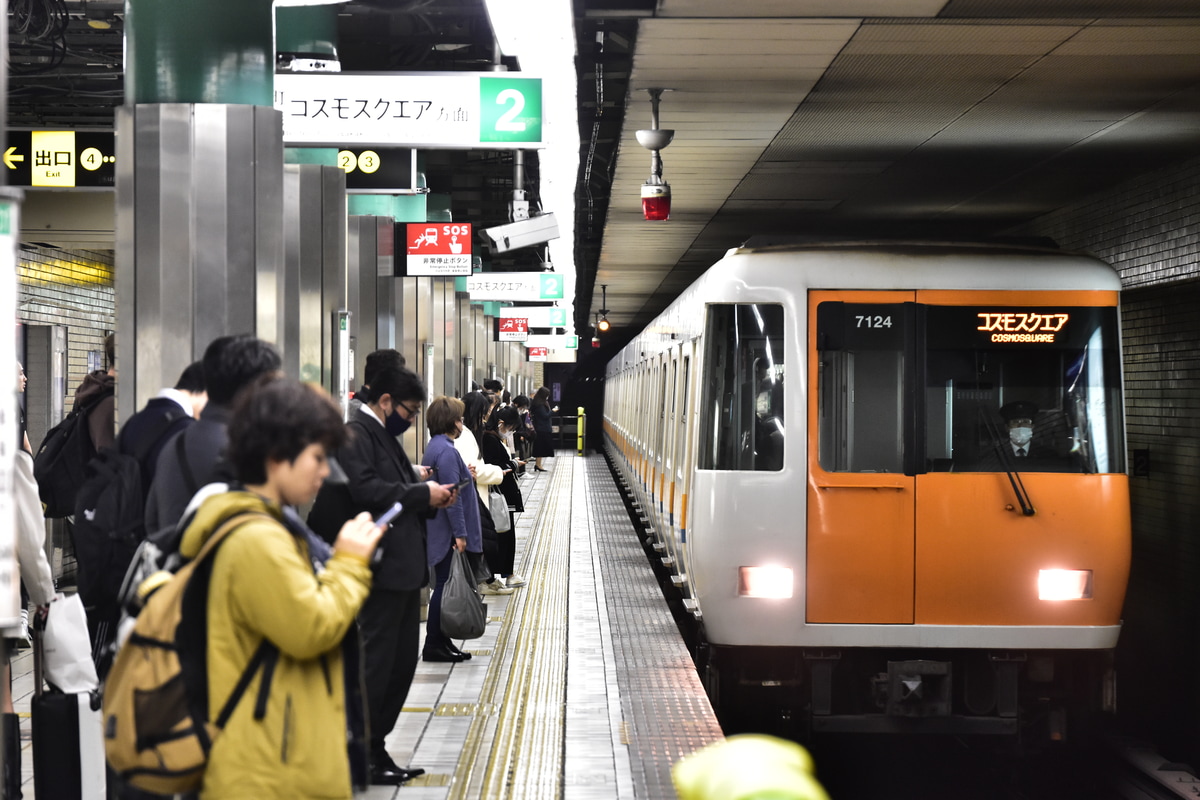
(860, 403)
(741, 411)
(1031, 389)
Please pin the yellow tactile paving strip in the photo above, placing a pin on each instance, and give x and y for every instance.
(528, 706)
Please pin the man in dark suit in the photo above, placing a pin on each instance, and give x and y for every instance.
(1022, 446)
(379, 474)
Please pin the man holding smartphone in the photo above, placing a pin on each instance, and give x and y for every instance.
(378, 475)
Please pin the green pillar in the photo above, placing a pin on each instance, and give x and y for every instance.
(200, 51)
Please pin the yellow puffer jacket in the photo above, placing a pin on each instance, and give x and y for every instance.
(263, 586)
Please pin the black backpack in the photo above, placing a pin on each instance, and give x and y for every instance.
(61, 459)
(110, 512)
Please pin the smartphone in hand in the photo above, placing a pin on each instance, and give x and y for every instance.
(384, 519)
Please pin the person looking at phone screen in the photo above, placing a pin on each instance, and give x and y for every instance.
(453, 528)
(378, 474)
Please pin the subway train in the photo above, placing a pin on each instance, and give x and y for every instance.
(896, 565)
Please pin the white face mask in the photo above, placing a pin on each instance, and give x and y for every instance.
(1020, 436)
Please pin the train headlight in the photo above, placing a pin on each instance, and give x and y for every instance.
(1064, 584)
(772, 582)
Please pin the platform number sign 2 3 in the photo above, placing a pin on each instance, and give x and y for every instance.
(510, 109)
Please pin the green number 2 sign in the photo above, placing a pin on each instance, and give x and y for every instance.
(510, 109)
(550, 286)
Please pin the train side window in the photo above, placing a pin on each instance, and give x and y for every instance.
(741, 407)
(860, 402)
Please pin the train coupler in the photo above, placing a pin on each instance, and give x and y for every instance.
(915, 689)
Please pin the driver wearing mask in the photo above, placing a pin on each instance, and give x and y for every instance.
(1019, 415)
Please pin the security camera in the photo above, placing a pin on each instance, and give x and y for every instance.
(523, 233)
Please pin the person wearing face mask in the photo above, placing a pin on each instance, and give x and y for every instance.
(1018, 417)
(378, 474)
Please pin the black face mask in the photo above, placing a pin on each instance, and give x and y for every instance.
(396, 425)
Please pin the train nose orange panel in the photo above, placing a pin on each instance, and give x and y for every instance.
(978, 557)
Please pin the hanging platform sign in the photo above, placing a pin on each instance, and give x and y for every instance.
(438, 249)
(515, 286)
(553, 342)
(538, 353)
(512, 329)
(435, 110)
(538, 316)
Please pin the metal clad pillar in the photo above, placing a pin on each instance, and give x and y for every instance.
(315, 259)
(199, 235)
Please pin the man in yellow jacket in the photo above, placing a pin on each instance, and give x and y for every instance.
(265, 585)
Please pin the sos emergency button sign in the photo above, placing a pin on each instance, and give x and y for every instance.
(438, 249)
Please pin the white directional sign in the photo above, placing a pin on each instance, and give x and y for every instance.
(515, 286)
(440, 109)
(552, 342)
(538, 316)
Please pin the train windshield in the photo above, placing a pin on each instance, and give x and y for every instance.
(911, 388)
(1031, 389)
(741, 414)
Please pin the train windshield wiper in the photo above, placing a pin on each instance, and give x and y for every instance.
(1014, 477)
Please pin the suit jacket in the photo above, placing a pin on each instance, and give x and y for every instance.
(378, 474)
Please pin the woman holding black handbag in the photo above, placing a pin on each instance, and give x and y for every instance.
(494, 451)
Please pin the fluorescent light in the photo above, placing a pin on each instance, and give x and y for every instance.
(1064, 584)
(769, 582)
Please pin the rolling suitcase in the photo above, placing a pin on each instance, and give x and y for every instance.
(68, 746)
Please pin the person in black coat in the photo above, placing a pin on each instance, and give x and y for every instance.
(378, 474)
(195, 457)
(178, 408)
(543, 426)
(493, 451)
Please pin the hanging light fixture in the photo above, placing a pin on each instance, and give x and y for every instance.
(656, 193)
(602, 325)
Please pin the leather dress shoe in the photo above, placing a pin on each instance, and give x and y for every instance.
(461, 653)
(444, 654)
(385, 772)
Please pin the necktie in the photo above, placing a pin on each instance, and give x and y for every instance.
(1020, 452)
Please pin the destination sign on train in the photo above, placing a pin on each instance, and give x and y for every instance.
(60, 159)
(1022, 326)
(515, 286)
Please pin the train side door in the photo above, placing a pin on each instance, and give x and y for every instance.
(861, 504)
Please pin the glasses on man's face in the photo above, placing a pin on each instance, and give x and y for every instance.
(410, 412)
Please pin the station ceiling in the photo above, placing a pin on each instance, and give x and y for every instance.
(847, 118)
(879, 118)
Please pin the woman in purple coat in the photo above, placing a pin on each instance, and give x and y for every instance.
(455, 527)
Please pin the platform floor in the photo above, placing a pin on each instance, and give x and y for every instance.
(580, 688)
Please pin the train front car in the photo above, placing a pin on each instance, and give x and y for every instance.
(942, 543)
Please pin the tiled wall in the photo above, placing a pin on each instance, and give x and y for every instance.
(73, 288)
(1149, 229)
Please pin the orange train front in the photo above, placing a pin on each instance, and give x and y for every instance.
(890, 481)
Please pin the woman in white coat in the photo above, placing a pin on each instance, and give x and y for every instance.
(478, 407)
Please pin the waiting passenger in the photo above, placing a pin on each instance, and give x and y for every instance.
(379, 474)
(195, 457)
(453, 528)
(543, 427)
(264, 587)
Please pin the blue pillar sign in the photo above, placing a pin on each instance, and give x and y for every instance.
(448, 110)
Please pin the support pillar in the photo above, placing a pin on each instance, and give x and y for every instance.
(199, 235)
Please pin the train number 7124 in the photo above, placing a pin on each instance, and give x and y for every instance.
(877, 321)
